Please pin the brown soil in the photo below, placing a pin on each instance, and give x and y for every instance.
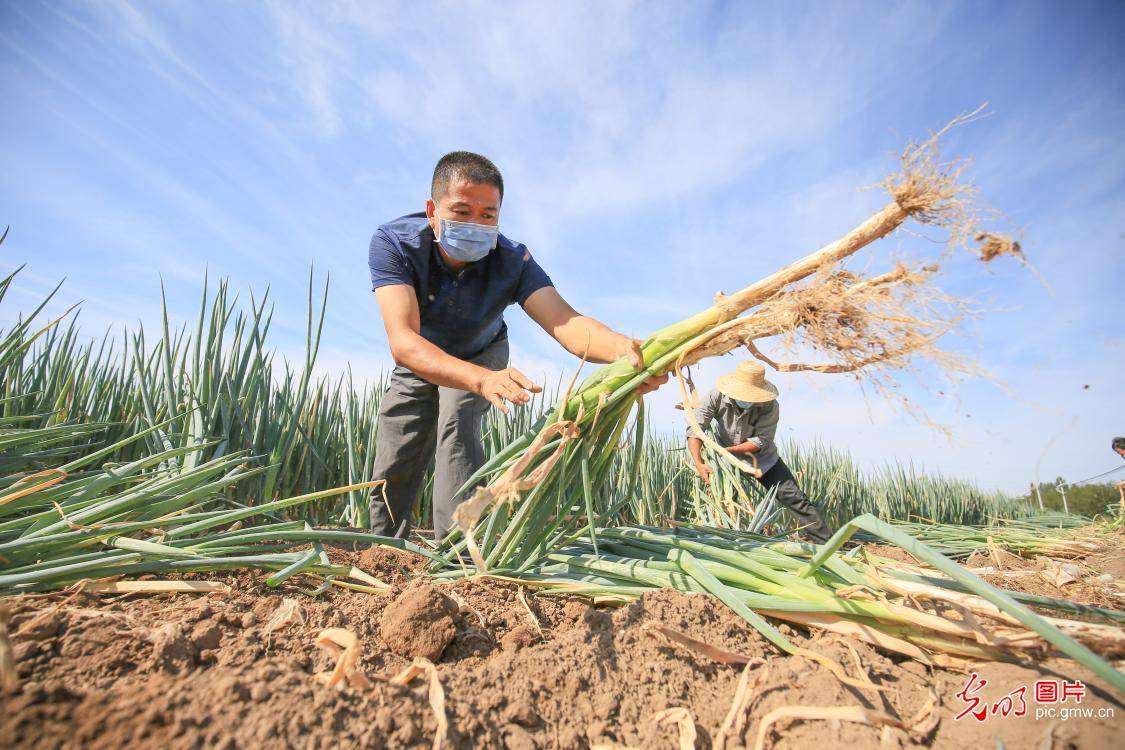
(893, 553)
(1007, 560)
(1099, 581)
(1109, 560)
(188, 671)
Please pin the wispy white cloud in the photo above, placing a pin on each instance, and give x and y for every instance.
(644, 103)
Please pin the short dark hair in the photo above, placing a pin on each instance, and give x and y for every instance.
(1118, 443)
(466, 165)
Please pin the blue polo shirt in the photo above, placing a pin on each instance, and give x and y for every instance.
(462, 313)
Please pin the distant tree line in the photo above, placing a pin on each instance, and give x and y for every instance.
(1086, 499)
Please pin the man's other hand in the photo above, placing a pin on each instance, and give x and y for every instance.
(631, 349)
(704, 471)
(511, 385)
(651, 384)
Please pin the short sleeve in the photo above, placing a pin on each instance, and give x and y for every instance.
(387, 263)
(705, 414)
(532, 278)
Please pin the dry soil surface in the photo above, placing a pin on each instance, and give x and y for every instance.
(515, 670)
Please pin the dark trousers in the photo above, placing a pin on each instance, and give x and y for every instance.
(415, 417)
(791, 496)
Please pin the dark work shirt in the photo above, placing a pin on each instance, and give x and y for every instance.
(462, 313)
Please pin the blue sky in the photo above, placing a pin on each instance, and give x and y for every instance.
(654, 153)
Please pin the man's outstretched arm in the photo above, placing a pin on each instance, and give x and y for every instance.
(582, 335)
(401, 318)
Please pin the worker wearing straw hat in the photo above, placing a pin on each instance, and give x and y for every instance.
(743, 407)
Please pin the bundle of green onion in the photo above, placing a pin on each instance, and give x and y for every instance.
(1047, 534)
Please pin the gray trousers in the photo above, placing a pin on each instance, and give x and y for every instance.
(792, 497)
(415, 416)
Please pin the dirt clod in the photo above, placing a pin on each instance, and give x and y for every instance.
(517, 638)
(206, 636)
(171, 651)
(419, 623)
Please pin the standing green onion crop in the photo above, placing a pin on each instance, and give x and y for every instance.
(104, 476)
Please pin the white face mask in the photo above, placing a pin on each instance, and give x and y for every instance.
(465, 241)
(743, 404)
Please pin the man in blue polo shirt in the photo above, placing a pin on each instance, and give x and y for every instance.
(443, 279)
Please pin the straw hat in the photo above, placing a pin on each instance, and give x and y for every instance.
(747, 383)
